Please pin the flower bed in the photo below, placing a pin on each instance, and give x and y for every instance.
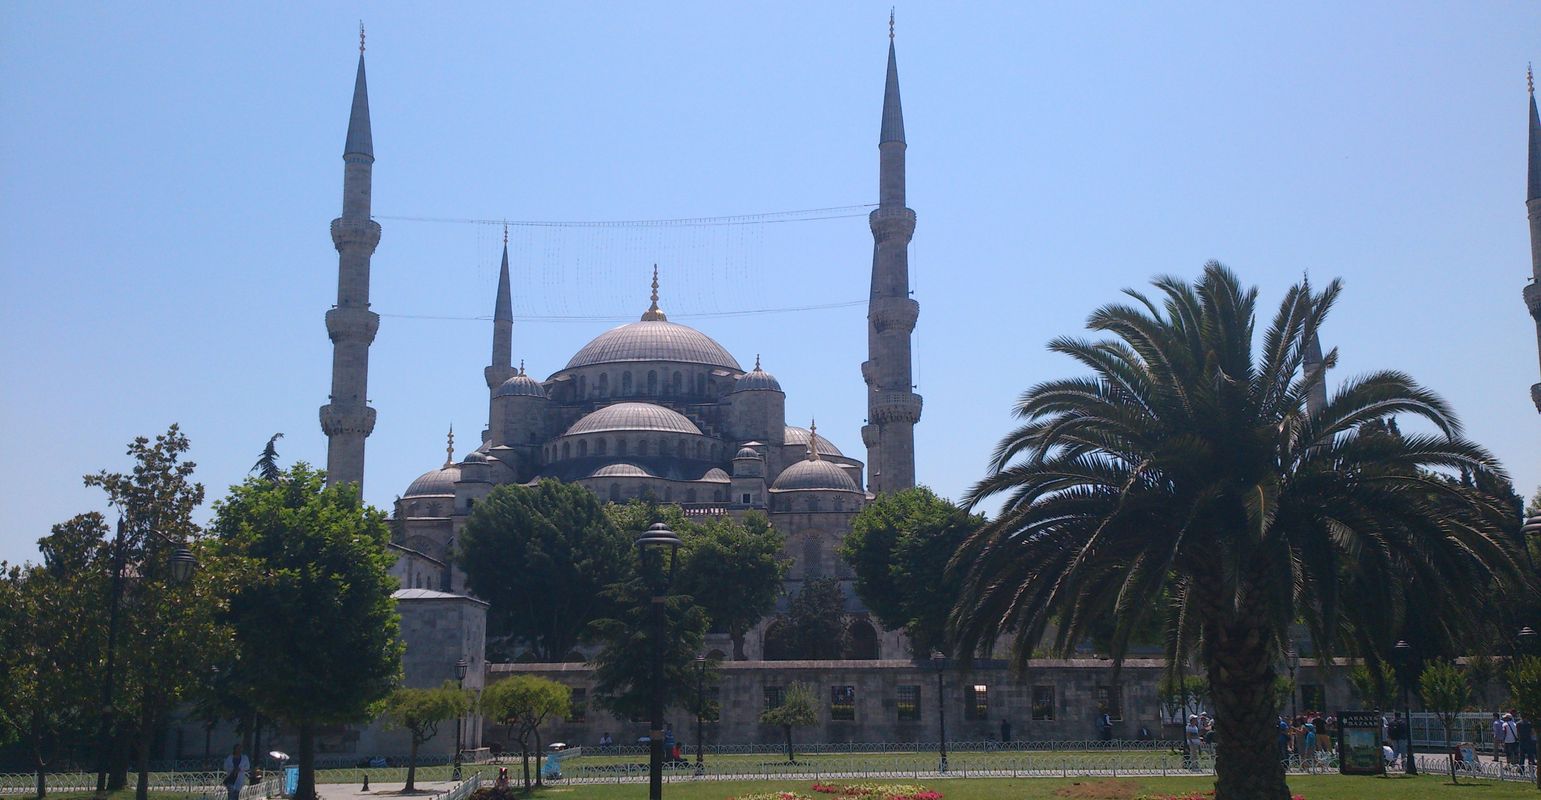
(855, 791)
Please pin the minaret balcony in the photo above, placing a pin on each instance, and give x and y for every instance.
(893, 313)
(888, 223)
(1533, 300)
(894, 407)
(337, 419)
(352, 234)
(352, 324)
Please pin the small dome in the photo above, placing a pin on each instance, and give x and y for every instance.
(436, 483)
(747, 452)
(634, 417)
(814, 475)
(620, 471)
(654, 340)
(757, 380)
(796, 435)
(520, 385)
(715, 475)
(475, 457)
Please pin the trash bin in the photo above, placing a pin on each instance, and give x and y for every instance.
(291, 779)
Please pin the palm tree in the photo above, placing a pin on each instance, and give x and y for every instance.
(1189, 467)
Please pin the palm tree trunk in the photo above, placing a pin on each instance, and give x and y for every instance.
(1241, 678)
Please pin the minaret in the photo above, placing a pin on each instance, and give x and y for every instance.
(347, 420)
(502, 366)
(1533, 206)
(1317, 399)
(893, 408)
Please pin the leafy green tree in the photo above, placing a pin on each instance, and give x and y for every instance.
(813, 628)
(1184, 695)
(1525, 691)
(799, 709)
(623, 678)
(542, 556)
(524, 703)
(419, 712)
(315, 629)
(164, 626)
(899, 546)
(1376, 683)
(50, 630)
(1445, 691)
(733, 569)
(1189, 464)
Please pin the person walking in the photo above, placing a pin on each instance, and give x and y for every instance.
(236, 768)
(1511, 740)
(1525, 730)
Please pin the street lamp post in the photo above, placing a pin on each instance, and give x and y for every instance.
(1527, 640)
(700, 711)
(461, 667)
(938, 661)
(657, 549)
(1292, 660)
(183, 563)
(1404, 659)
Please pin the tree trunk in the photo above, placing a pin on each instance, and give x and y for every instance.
(738, 647)
(540, 761)
(1241, 677)
(146, 739)
(117, 776)
(40, 766)
(412, 765)
(790, 758)
(306, 789)
(524, 755)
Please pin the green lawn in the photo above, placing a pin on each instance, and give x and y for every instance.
(1332, 787)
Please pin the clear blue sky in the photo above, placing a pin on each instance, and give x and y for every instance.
(168, 172)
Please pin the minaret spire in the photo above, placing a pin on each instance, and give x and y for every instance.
(813, 440)
(347, 420)
(893, 408)
(449, 448)
(1316, 400)
(654, 313)
(501, 367)
(1533, 209)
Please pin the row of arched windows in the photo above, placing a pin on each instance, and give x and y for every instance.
(690, 495)
(651, 384)
(701, 449)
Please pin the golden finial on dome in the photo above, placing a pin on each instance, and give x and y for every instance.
(449, 450)
(654, 313)
(813, 440)
(505, 234)
(890, 23)
(757, 362)
(360, 37)
(521, 366)
(1530, 80)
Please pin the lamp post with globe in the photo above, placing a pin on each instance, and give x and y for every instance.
(461, 667)
(700, 711)
(1402, 653)
(658, 551)
(938, 661)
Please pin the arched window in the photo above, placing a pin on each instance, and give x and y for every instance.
(600, 447)
(679, 449)
(583, 387)
(626, 383)
(716, 495)
(604, 384)
(583, 448)
(620, 446)
(679, 383)
(615, 493)
(567, 449)
(776, 643)
(861, 642)
(652, 382)
(700, 449)
(641, 447)
(700, 383)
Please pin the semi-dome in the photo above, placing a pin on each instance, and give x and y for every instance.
(520, 385)
(814, 475)
(757, 380)
(435, 483)
(746, 452)
(634, 417)
(654, 340)
(620, 471)
(716, 475)
(796, 435)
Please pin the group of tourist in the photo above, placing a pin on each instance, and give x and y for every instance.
(1515, 737)
(1198, 738)
(1307, 737)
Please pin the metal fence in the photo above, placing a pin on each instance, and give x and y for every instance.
(985, 746)
(1493, 770)
(196, 785)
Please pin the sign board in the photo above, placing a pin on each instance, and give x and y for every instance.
(1359, 743)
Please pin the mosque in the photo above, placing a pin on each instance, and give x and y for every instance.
(651, 409)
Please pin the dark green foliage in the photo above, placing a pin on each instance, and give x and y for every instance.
(267, 464)
(813, 627)
(623, 668)
(316, 631)
(1444, 690)
(522, 704)
(733, 570)
(799, 709)
(1375, 684)
(419, 712)
(542, 556)
(1188, 466)
(899, 546)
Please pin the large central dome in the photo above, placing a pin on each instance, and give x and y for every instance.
(654, 340)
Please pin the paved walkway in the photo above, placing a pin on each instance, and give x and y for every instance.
(381, 790)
